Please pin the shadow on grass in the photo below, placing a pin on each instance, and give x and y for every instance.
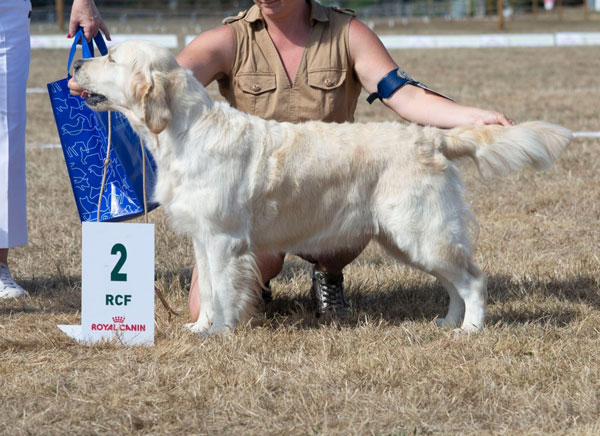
(582, 289)
(57, 294)
(579, 289)
(393, 304)
(399, 303)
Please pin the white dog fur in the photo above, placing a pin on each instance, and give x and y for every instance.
(238, 185)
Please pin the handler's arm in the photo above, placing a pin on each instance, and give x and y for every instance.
(209, 55)
(372, 61)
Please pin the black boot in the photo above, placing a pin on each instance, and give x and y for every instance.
(327, 291)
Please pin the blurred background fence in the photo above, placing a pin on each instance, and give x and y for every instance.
(123, 10)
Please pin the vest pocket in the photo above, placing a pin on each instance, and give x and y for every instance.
(326, 79)
(256, 83)
(328, 96)
(257, 93)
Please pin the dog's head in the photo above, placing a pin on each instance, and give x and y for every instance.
(134, 78)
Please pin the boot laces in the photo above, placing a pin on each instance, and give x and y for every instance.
(331, 291)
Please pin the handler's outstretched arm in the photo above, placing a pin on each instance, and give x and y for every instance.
(372, 62)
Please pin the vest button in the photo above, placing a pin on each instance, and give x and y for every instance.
(328, 83)
(256, 87)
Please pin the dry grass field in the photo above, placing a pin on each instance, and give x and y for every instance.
(534, 370)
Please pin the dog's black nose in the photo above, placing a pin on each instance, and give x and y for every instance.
(78, 63)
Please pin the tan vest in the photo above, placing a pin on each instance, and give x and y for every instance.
(325, 87)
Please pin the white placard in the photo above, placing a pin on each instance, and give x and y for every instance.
(117, 295)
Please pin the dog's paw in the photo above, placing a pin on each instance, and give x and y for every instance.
(196, 329)
(202, 327)
(205, 329)
(468, 329)
(445, 323)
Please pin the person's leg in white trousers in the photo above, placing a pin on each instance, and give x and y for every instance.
(14, 70)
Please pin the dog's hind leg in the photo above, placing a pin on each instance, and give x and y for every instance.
(456, 308)
(442, 249)
(467, 288)
(453, 267)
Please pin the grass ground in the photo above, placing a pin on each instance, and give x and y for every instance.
(535, 369)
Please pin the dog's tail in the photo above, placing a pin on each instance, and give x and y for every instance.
(499, 150)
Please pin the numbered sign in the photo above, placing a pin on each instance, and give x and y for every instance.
(117, 296)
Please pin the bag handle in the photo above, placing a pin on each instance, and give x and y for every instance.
(87, 48)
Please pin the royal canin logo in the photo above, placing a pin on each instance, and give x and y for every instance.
(119, 326)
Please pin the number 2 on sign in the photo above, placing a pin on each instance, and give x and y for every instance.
(116, 275)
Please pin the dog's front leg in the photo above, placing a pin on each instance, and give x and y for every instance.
(204, 322)
(234, 283)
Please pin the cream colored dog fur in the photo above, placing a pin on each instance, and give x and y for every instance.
(238, 185)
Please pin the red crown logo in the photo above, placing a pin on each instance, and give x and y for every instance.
(118, 319)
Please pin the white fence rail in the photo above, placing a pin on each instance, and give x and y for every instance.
(559, 39)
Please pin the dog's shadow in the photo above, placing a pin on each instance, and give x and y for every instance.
(546, 301)
(397, 302)
(394, 302)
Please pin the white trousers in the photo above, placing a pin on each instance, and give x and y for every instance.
(14, 69)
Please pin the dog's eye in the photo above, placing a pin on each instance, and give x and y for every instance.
(110, 59)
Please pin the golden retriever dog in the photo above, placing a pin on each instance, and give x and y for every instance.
(238, 184)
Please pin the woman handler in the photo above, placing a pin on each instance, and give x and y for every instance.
(296, 60)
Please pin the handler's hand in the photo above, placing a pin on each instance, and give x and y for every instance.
(485, 117)
(85, 14)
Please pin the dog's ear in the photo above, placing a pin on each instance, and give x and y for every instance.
(156, 104)
(152, 93)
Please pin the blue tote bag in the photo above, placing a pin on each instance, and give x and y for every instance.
(84, 138)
